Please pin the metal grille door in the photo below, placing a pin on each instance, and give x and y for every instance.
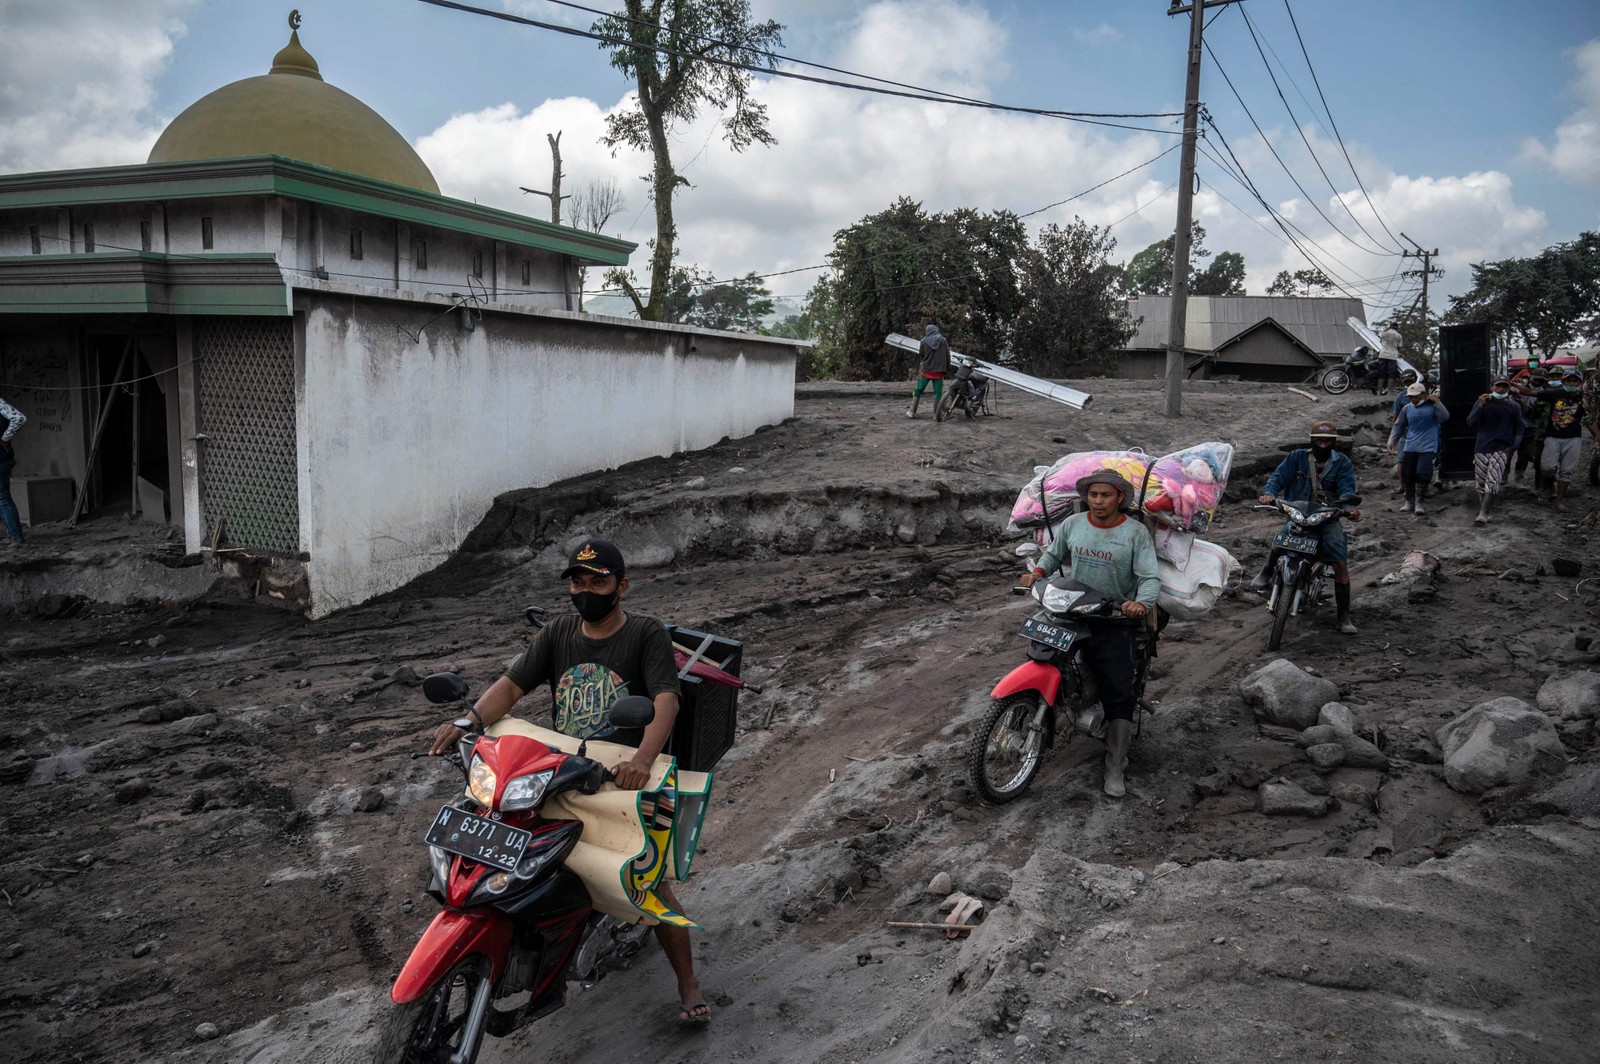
(249, 474)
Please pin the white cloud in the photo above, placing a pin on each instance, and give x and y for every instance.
(928, 42)
(77, 81)
(1575, 155)
(1105, 33)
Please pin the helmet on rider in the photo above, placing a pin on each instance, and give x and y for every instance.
(1408, 377)
(1324, 434)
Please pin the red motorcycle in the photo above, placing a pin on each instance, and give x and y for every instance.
(516, 924)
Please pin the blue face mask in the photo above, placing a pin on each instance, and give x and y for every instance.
(1570, 387)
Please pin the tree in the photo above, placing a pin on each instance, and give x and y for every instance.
(740, 304)
(901, 268)
(672, 86)
(1548, 300)
(1224, 277)
(1299, 283)
(1149, 272)
(1074, 301)
(593, 205)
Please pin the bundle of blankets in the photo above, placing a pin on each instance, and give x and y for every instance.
(1178, 495)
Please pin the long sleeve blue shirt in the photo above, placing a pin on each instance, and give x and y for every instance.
(1419, 424)
(1499, 424)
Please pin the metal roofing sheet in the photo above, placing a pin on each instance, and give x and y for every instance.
(1318, 321)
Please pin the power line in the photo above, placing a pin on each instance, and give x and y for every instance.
(1334, 125)
(1093, 118)
(1309, 198)
(1250, 25)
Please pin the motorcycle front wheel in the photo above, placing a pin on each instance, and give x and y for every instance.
(947, 404)
(429, 1030)
(1280, 616)
(1336, 381)
(1005, 752)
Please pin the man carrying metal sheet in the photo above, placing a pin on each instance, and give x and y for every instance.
(935, 353)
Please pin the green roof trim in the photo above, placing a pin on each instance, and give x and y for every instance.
(143, 282)
(272, 175)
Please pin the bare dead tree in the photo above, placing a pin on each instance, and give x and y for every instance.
(593, 205)
(554, 195)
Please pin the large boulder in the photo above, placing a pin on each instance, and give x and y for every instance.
(1287, 799)
(1337, 715)
(1572, 695)
(1285, 695)
(1498, 742)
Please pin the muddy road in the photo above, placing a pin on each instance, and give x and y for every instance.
(213, 818)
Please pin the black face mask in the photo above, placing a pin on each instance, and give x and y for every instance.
(1322, 450)
(594, 607)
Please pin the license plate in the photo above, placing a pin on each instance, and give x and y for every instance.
(1303, 544)
(1049, 634)
(477, 838)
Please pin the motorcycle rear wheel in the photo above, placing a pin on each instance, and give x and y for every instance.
(1336, 381)
(1280, 616)
(429, 1029)
(1005, 752)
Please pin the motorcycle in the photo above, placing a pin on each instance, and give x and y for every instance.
(515, 923)
(1298, 579)
(967, 392)
(1356, 369)
(1053, 694)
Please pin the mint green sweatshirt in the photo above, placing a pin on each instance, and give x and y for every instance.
(1120, 560)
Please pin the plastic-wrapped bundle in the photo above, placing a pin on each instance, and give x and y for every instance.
(1184, 488)
(1189, 593)
(1053, 495)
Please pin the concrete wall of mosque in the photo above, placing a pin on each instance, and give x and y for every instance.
(408, 436)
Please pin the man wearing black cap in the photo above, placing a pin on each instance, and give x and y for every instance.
(590, 660)
(1116, 557)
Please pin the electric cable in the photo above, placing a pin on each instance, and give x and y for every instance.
(1093, 118)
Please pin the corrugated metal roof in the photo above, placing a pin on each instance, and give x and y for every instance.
(1317, 321)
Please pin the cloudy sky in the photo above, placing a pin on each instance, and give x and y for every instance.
(1474, 125)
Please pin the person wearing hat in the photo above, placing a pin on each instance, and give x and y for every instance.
(1563, 436)
(1500, 430)
(1319, 472)
(589, 659)
(1116, 557)
(1417, 431)
(1407, 379)
(1533, 415)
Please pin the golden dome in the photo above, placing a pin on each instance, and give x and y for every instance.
(290, 111)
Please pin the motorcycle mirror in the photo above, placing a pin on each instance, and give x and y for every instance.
(535, 615)
(634, 711)
(442, 687)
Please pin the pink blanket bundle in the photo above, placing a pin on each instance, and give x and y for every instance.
(1181, 489)
(1053, 495)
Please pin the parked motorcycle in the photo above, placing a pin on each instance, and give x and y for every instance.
(1357, 368)
(967, 392)
(516, 924)
(1053, 694)
(1298, 579)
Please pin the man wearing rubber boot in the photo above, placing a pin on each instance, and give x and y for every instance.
(1116, 557)
(935, 351)
(1317, 472)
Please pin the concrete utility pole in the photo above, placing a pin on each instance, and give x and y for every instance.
(1427, 269)
(1180, 236)
(554, 195)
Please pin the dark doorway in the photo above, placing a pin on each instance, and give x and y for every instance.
(133, 442)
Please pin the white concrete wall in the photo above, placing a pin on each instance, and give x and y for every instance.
(405, 445)
(41, 375)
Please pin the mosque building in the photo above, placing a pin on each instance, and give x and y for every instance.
(276, 334)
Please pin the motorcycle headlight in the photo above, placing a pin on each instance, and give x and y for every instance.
(525, 792)
(1315, 519)
(1297, 516)
(1059, 599)
(481, 782)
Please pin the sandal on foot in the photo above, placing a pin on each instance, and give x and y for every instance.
(696, 1015)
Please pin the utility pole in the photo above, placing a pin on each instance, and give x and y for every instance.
(1180, 236)
(554, 195)
(1427, 270)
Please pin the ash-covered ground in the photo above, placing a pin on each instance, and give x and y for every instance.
(213, 816)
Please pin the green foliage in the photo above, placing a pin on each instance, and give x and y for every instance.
(691, 296)
(672, 90)
(1150, 271)
(1074, 301)
(1224, 277)
(1300, 283)
(1548, 299)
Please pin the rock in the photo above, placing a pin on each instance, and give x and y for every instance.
(289, 662)
(1286, 799)
(940, 884)
(1037, 968)
(12, 951)
(657, 557)
(378, 672)
(206, 1032)
(1513, 575)
(371, 801)
(132, 791)
(143, 948)
(1359, 753)
(736, 469)
(906, 533)
(1337, 715)
(1212, 785)
(1356, 794)
(155, 641)
(407, 675)
(696, 484)
(1572, 695)
(994, 888)
(163, 713)
(1283, 694)
(1326, 756)
(202, 722)
(1318, 733)
(358, 747)
(1497, 742)
(302, 683)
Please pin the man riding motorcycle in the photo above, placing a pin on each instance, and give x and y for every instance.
(1317, 472)
(1115, 556)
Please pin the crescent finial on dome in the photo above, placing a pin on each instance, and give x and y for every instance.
(292, 58)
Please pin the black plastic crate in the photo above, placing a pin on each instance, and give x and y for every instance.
(708, 712)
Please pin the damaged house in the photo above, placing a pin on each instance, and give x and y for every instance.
(276, 334)
(1285, 339)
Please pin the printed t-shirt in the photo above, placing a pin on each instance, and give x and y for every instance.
(1119, 561)
(1565, 418)
(587, 675)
